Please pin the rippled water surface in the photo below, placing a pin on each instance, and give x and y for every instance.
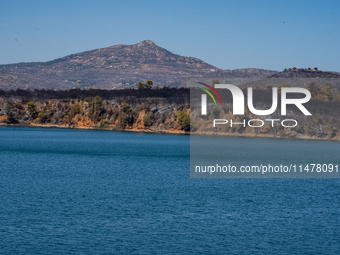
(97, 192)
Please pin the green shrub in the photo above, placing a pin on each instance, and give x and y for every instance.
(126, 108)
(98, 104)
(11, 117)
(75, 110)
(147, 85)
(269, 87)
(104, 124)
(44, 117)
(122, 119)
(125, 119)
(32, 108)
(184, 120)
(148, 119)
(144, 107)
(41, 115)
(115, 115)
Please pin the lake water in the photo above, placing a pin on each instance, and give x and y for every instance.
(102, 192)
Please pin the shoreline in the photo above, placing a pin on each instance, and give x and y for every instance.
(173, 132)
(95, 129)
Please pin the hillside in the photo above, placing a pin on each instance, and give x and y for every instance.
(165, 110)
(120, 66)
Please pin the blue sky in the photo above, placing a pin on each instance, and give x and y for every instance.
(227, 34)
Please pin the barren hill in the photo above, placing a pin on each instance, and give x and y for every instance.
(120, 66)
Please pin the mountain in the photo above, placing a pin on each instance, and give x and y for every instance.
(120, 66)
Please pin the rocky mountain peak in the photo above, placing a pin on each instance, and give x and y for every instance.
(146, 43)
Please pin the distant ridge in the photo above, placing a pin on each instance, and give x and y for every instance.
(298, 78)
(119, 66)
(305, 73)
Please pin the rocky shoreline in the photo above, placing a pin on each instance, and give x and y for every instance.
(165, 113)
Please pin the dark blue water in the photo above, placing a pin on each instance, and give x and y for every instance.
(94, 192)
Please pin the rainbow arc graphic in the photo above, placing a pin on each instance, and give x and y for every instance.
(208, 92)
